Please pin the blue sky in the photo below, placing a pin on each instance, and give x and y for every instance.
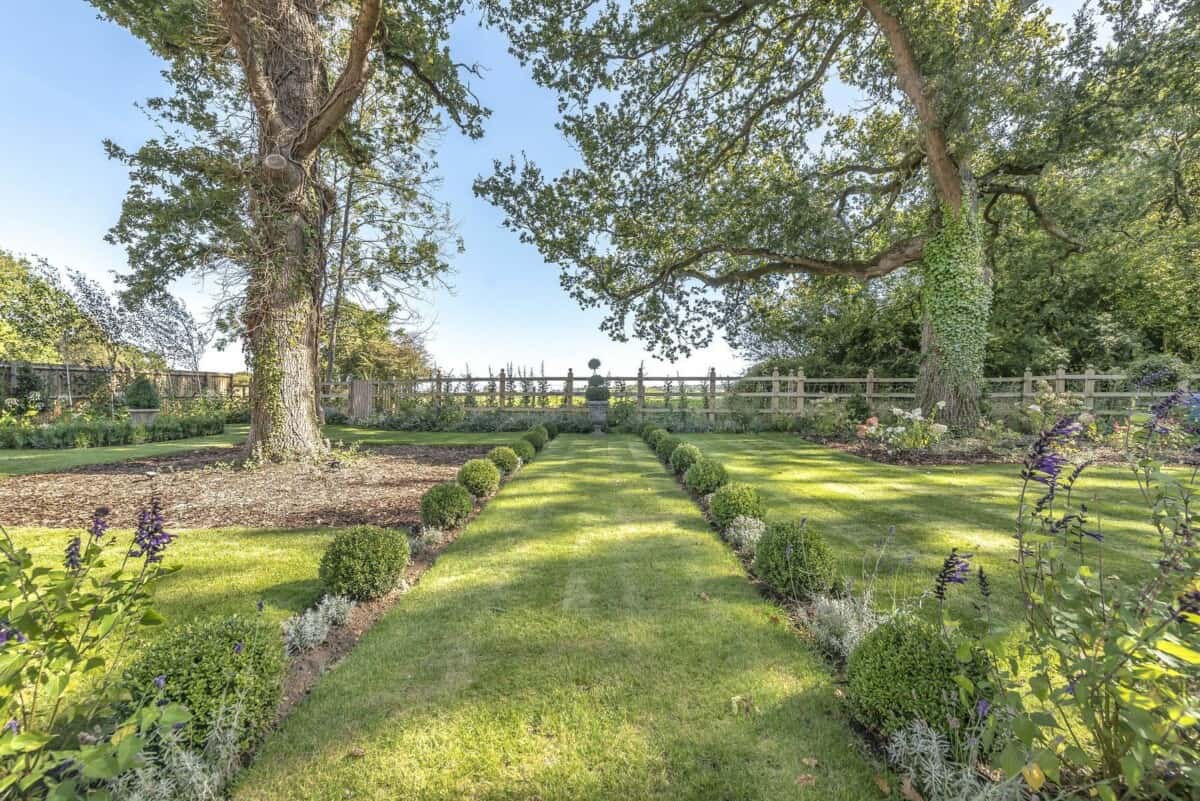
(72, 80)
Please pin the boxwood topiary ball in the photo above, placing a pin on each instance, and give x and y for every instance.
(524, 450)
(365, 562)
(666, 446)
(480, 477)
(654, 436)
(536, 437)
(645, 430)
(905, 670)
(704, 476)
(684, 457)
(504, 458)
(551, 429)
(736, 500)
(205, 664)
(794, 561)
(447, 505)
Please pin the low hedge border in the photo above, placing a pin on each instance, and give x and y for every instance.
(83, 433)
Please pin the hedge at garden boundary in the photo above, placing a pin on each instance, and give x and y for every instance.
(84, 433)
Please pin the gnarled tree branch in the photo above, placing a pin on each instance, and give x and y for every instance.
(1030, 198)
(262, 93)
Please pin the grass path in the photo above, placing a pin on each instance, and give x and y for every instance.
(586, 638)
(853, 501)
(25, 461)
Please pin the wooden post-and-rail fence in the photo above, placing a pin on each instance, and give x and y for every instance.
(712, 395)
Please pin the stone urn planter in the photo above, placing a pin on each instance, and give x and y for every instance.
(598, 414)
(142, 417)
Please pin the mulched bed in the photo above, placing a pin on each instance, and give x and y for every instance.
(205, 489)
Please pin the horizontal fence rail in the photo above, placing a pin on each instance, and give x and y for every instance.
(74, 382)
(775, 394)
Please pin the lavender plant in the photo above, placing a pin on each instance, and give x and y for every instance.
(66, 628)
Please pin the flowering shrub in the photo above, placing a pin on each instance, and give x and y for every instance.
(684, 457)
(909, 431)
(504, 458)
(794, 561)
(825, 417)
(310, 628)
(365, 562)
(480, 477)
(1118, 660)
(1049, 406)
(206, 665)
(736, 500)
(66, 628)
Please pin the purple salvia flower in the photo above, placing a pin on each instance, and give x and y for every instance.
(99, 525)
(72, 560)
(160, 681)
(982, 708)
(150, 539)
(238, 647)
(13, 726)
(955, 569)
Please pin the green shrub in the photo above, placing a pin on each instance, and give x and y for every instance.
(447, 505)
(1159, 371)
(857, 407)
(480, 477)
(209, 663)
(365, 562)
(665, 447)
(536, 437)
(82, 432)
(645, 431)
(551, 429)
(904, 670)
(141, 394)
(736, 500)
(684, 457)
(653, 438)
(504, 458)
(795, 562)
(705, 476)
(524, 450)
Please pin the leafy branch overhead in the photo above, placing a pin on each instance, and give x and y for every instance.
(732, 146)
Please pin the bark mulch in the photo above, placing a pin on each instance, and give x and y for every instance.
(205, 489)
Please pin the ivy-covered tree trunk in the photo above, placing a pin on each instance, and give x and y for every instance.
(956, 300)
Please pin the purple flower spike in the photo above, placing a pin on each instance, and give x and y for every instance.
(238, 647)
(99, 523)
(13, 726)
(150, 539)
(982, 708)
(160, 681)
(72, 559)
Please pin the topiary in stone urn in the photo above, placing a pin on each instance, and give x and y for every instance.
(597, 398)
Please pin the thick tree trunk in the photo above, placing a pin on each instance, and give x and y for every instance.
(956, 298)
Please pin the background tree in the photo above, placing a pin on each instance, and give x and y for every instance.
(715, 166)
(371, 346)
(117, 328)
(169, 330)
(254, 84)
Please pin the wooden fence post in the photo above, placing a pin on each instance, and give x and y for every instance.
(362, 400)
(870, 386)
(800, 390)
(569, 388)
(712, 395)
(775, 391)
(641, 390)
(1089, 388)
(437, 386)
(1027, 386)
(503, 387)
(1060, 380)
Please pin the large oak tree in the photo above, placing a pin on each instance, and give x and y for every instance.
(718, 163)
(299, 67)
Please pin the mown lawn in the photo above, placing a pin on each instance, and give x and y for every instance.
(853, 502)
(225, 571)
(586, 638)
(24, 461)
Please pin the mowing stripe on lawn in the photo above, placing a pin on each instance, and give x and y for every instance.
(587, 637)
